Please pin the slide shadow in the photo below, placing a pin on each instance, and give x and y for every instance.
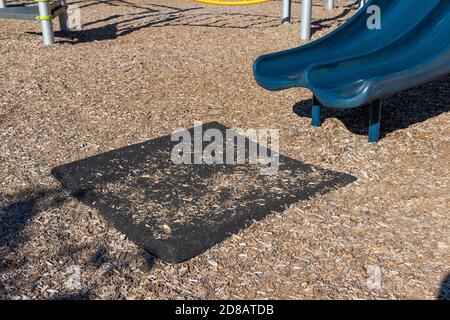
(399, 111)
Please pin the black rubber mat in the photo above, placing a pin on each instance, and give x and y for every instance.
(178, 211)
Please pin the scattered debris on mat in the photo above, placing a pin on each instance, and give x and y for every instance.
(178, 211)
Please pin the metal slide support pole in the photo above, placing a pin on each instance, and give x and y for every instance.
(2, 4)
(316, 120)
(375, 120)
(330, 5)
(64, 18)
(45, 16)
(285, 11)
(305, 33)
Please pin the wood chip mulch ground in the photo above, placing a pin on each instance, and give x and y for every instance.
(138, 71)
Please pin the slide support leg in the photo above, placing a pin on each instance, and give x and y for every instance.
(2, 4)
(316, 120)
(375, 120)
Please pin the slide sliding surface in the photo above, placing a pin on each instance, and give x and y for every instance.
(354, 65)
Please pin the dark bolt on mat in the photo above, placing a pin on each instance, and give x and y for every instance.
(176, 212)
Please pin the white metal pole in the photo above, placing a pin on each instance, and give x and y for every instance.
(362, 3)
(285, 11)
(46, 22)
(330, 5)
(2, 4)
(305, 33)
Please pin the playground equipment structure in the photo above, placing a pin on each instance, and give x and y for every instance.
(355, 64)
(45, 12)
(286, 5)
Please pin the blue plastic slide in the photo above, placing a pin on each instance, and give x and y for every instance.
(355, 64)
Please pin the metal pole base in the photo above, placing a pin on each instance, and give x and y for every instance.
(285, 11)
(375, 121)
(64, 19)
(316, 120)
(46, 22)
(330, 5)
(63, 23)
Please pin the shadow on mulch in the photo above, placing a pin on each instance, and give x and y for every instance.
(15, 213)
(21, 208)
(83, 295)
(3, 293)
(444, 292)
(399, 111)
(178, 211)
(317, 25)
